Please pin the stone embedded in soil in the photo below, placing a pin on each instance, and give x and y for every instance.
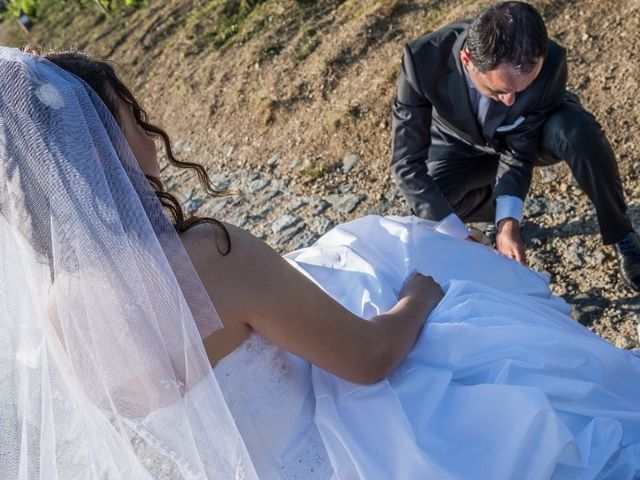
(349, 162)
(273, 161)
(305, 239)
(287, 234)
(557, 207)
(220, 182)
(547, 174)
(321, 225)
(535, 207)
(284, 222)
(258, 184)
(294, 164)
(296, 204)
(349, 203)
(597, 258)
(573, 257)
(320, 206)
(193, 204)
(392, 194)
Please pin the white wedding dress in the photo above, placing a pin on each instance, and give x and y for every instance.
(501, 383)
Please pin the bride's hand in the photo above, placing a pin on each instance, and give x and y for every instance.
(423, 288)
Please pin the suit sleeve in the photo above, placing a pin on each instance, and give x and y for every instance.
(411, 139)
(515, 169)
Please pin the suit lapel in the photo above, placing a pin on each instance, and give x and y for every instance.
(459, 92)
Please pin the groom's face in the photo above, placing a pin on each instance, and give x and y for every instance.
(503, 83)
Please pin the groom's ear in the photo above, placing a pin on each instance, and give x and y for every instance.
(465, 57)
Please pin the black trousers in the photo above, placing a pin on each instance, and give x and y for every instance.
(466, 175)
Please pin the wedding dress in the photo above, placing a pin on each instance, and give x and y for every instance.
(501, 383)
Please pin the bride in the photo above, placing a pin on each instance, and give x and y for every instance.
(103, 372)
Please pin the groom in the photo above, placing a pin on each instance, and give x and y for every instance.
(478, 107)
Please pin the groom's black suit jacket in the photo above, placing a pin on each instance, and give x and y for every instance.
(433, 94)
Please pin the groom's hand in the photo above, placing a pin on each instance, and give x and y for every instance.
(508, 241)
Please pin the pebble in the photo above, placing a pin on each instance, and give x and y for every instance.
(535, 207)
(220, 182)
(305, 239)
(349, 203)
(392, 194)
(555, 207)
(286, 235)
(349, 162)
(572, 257)
(597, 259)
(321, 225)
(258, 184)
(294, 164)
(273, 161)
(547, 174)
(193, 204)
(321, 205)
(284, 222)
(296, 204)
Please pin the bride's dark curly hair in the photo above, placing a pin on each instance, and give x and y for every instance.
(102, 78)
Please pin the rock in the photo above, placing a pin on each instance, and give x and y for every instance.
(349, 203)
(220, 182)
(320, 206)
(296, 204)
(193, 204)
(535, 207)
(270, 194)
(536, 242)
(286, 235)
(597, 259)
(294, 164)
(636, 167)
(216, 205)
(348, 162)
(547, 174)
(305, 239)
(392, 194)
(230, 152)
(284, 222)
(258, 184)
(555, 207)
(573, 257)
(380, 208)
(273, 161)
(321, 225)
(588, 307)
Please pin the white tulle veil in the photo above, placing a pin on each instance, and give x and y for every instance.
(102, 370)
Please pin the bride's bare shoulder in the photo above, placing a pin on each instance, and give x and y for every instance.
(208, 242)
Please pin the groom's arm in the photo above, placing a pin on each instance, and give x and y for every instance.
(410, 146)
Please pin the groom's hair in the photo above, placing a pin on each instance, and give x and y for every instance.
(508, 32)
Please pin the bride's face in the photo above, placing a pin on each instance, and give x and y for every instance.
(142, 144)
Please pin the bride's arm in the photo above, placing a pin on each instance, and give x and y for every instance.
(253, 285)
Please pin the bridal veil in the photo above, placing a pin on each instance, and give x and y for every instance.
(101, 311)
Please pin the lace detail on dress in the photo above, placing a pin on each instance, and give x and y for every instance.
(270, 395)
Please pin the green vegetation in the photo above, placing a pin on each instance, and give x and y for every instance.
(32, 8)
(271, 50)
(233, 13)
(308, 43)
